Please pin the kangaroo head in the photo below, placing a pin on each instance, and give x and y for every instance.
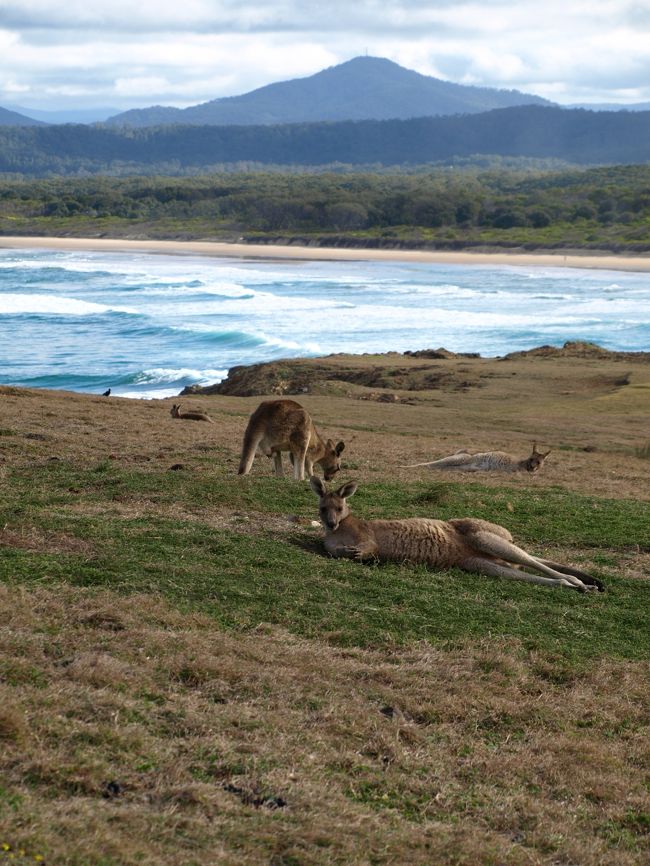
(332, 506)
(175, 410)
(536, 459)
(331, 461)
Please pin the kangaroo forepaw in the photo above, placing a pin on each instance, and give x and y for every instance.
(354, 551)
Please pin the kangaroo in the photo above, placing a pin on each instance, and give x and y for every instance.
(175, 412)
(496, 461)
(284, 425)
(468, 543)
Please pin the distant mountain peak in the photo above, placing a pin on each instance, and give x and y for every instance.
(362, 88)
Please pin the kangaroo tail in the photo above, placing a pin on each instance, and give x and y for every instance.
(461, 458)
(249, 447)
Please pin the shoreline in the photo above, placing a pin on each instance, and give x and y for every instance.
(218, 249)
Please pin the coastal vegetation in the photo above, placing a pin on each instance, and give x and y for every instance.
(183, 671)
(606, 208)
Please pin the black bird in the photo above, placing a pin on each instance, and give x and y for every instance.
(107, 393)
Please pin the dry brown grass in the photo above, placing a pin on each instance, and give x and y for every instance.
(133, 733)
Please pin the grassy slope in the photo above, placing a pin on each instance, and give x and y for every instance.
(185, 675)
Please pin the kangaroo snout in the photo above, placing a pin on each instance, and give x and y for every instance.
(330, 521)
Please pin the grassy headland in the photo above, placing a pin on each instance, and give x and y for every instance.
(186, 678)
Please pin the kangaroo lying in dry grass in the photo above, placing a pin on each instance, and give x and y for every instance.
(175, 412)
(283, 425)
(488, 461)
(468, 543)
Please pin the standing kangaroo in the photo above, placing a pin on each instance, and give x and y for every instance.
(497, 461)
(175, 412)
(468, 543)
(283, 425)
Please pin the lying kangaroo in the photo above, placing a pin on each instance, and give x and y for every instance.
(283, 425)
(496, 461)
(175, 412)
(468, 543)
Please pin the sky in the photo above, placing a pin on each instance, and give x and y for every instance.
(126, 54)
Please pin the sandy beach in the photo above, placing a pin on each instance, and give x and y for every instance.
(298, 253)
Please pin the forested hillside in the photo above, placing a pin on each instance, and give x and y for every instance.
(581, 137)
(607, 208)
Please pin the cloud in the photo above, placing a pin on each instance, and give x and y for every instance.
(163, 51)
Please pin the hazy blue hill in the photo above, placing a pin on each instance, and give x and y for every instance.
(157, 115)
(67, 115)
(13, 118)
(365, 88)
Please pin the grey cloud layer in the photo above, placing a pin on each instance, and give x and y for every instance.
(201, 16)
(179, 53)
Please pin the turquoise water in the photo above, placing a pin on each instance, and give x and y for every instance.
(147, 325)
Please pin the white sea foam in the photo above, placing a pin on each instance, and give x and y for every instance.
(198, 287)
(20, 304)
(280, 343)
(162, 375)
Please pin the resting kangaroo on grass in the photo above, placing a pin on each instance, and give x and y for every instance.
(468, 543)
(496, 461)
(175, 412)
(283, 425)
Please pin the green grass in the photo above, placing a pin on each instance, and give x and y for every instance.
(643, 451)
(244, 578)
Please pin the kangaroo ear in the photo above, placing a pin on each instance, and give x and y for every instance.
(339, 447)
(547, 453)
(347, 490)
(318, 486)
(535, 451)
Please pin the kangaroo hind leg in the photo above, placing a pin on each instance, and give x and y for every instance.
(481, 565)
(582, 575)
(495, 546)
(299, 445)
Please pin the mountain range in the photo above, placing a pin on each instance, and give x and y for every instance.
(364, 88)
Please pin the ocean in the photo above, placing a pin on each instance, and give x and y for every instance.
(148, 325)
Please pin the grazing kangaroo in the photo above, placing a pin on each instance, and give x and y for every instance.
(495, 461)
(175, 412)
(284, 425)
(468, 543)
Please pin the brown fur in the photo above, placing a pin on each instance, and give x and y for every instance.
(175, 412)
(284, 425)
(468, 543)
(488, 461)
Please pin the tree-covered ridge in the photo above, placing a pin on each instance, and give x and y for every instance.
(605, 208)
(577, 136)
